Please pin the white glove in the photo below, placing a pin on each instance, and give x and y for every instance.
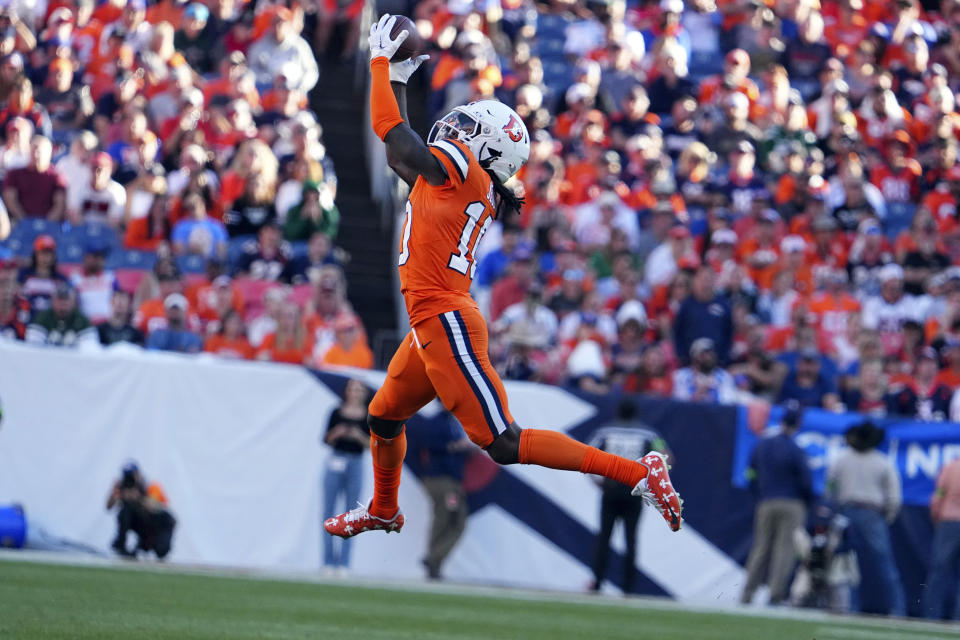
(401, 71)
(380, 42)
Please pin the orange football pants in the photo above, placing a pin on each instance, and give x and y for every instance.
(446, 357)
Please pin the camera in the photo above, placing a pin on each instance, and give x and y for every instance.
(129, 479)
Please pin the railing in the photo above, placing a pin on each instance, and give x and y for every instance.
(385, 188)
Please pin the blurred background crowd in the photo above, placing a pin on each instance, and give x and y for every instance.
(724, 200)
(165, 184)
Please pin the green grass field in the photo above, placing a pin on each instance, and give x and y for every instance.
(42, 601)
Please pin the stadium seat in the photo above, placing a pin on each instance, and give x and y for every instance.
(69, 252)
(898, 218)
(191, 263)
(548, 25)
(129, 279)
(298, 249)
(301, 294)
(705, 64)
(92, 230)
(235, 250)
(23, 234)
(547, 48)
(131, 259)
(252, 292)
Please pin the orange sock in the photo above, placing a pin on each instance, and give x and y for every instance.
(559, 451)
(387, 463)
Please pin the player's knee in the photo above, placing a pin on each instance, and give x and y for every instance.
(387, 429)
(505, 449)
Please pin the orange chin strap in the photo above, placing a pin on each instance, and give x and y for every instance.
(384, 112)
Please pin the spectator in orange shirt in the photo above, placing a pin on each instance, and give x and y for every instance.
(833, 306)
(793, 251)
(231, 341)
(760, 252)
(845, 30)
(580, 113)
(736, 68)
(350, 346)
(109, 11)
(213, 300)
(828, 248)
(235, 81)
(149, 232)
(290, 342)
(160, 60)
(151, 315)
(170, 11)
(252, 157)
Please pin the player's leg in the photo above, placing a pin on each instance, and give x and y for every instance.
(469, 387)
(404, 391)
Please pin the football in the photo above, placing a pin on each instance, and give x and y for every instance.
(413, 45)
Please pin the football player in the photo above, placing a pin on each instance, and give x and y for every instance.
(457, 179)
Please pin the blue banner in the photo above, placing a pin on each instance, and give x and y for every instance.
(917, 449)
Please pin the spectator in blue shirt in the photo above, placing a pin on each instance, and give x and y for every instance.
(704, 314)
(176, 336)
(808, 385)
(494, 264)
(780, 478)
(197, 233)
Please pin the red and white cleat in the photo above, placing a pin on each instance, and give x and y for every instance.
(657, 490)
(349, 524)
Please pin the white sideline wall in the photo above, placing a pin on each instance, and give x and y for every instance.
(236, 446)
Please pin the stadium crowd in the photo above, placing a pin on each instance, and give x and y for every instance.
(730, 200)
(165, 184)
(724, 201)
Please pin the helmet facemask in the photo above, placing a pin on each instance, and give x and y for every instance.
(456, 125)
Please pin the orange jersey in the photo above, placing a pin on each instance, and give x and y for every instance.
(224, 347)
(443, 226)
(833, 311)
(288, 351)
(949, 378)
(359, 355)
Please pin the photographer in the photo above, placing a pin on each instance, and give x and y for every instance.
(143, 510)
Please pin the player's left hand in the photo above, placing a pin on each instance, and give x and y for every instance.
(380, 42)
(401, 71)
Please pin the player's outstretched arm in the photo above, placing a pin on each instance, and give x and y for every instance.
(407, 153)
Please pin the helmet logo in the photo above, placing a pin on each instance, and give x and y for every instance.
(514, 129)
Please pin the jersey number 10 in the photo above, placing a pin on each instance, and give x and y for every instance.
(458, 261)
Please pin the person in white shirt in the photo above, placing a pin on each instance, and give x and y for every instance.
(703, 380)
(193, 158)
(95, 285)
(282, 50)
(15, 154)
(102, 199)
(594, 221)
(661, 265)
(887, 312)
(530, 316)
(592, 317)
(136, 31)
(76, 164)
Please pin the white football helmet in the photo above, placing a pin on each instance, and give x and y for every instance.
(494, 133)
